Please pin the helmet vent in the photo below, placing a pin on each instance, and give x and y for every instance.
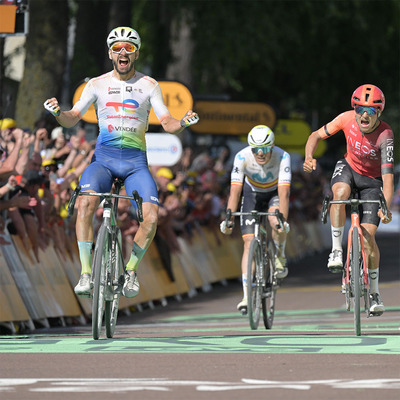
(366, 96)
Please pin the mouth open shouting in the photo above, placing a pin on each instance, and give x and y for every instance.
(124, 64)
(367, 123)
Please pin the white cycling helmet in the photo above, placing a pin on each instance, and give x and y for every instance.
(124, 34)
(260, 136)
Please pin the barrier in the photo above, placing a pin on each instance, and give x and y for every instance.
(38, 291)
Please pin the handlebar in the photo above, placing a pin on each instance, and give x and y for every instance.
(135, 196)
(354, 203)
(256, 214)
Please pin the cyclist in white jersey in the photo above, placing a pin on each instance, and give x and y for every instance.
(122, 98)
(262, 175)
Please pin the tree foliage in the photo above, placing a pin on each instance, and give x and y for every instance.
(45, 59)
(306, 56)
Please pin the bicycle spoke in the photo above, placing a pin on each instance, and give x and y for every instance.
(269, 294)
(355, 280)
(254, 286)
(116, 271)
(100, 260)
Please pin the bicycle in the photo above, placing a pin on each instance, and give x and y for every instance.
(355, 274)
(108, 267)
(262, 282)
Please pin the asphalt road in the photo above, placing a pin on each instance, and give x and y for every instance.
(201, 347)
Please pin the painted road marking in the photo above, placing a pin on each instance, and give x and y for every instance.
(60, 385)
(316, 344)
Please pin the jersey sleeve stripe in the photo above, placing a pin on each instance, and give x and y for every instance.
(326, 131)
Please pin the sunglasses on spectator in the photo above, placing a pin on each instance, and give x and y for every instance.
(264, 149)
(370, 110)
(128, 47)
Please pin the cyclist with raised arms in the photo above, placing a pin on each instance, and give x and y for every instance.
(261, 175)
(367, 167)
(122, 98)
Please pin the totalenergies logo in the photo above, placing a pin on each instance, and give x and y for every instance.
(128, 106)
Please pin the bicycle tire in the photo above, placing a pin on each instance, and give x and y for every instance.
(116, 274)
(254, 286)
(100, 260)
(355, 280)
(269, 292)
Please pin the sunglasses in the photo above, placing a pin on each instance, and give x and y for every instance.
(264, 149)
(370, 110)
(128, 47)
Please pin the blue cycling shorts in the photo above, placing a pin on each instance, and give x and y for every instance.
(130, 165)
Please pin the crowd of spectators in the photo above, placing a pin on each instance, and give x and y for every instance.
(40, 169)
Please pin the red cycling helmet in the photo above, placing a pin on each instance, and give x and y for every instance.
(369, 96)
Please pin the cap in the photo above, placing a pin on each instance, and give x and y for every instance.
(7, 123)
(47, 162)
(165, 172)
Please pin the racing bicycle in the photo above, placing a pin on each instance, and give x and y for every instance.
(355, 274)
(108, 267)
(262, 282)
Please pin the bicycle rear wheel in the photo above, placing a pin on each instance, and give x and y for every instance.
(99, 270)
(355, 280)
(254, 283)
(269, 292)
(116, 277)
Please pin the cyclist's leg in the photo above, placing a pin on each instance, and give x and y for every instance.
(279, 239)
(96, 178)
(341, 184)
(249, 200)
(369, 225)
(144, 183)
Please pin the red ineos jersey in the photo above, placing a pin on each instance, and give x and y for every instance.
(368, 154)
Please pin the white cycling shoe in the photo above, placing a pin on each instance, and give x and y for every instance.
(280, 267)
(131, 284)
(376, 304)
(242, 306)
(335, 261)
(84, 285)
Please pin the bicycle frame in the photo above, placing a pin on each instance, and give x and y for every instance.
(261, 280)
(108, 266)
(355, 225)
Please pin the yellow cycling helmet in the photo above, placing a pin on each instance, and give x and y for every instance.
(7, 123)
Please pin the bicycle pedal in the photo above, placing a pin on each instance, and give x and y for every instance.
(85, 295)
(335, 270)
(243, 310)
(376, 314)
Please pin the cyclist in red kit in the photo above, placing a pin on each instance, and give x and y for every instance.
(367, 168)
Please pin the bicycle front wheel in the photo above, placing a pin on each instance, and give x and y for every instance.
(355, 280)
(117, 279)
(99, 270)
(254, 283)
(269, 292)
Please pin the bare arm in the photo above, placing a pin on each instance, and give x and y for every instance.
(388, 191)
(310, 163)
(172, 125)
(8, 166)
(24, 155)
(67, 119)
(234, 197)
(283, 194)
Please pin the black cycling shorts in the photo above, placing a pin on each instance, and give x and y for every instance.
(366, 187)
(258, 201)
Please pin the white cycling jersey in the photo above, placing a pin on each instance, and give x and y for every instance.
(122, 108)
(262, 178)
